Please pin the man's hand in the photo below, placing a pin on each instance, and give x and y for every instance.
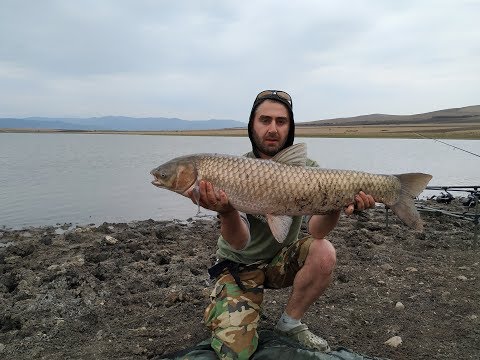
(362, 202)
(232, 227)
(211, 199)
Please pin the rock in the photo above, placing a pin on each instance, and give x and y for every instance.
(141, 255)
(162, 258)
(81, 229)
(2, 347)
(461, 278)
(46, 240)
(110, 240)
(394, 341)
(387, 267)
(411, 269)
(472, 317)
(399, 306)
(72, 236)
(22, 250)
(78, 260)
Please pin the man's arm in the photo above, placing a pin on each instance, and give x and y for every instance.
(320, 226)
(233, 229)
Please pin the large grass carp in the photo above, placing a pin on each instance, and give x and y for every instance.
(283, 186)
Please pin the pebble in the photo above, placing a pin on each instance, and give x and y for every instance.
(411, 269)
(472, 317)
(394, 341)
(399, 306)
(78, 260)
(110, 240)
(462, 278)
(2, 347)
(387, 267)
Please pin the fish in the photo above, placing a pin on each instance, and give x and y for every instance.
(283, 186)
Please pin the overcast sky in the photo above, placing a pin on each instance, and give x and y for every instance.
(208, 59)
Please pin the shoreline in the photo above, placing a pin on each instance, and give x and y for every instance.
(460, 131)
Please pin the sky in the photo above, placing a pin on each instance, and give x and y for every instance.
(199, 60)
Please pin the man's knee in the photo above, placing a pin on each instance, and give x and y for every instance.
(322, 255)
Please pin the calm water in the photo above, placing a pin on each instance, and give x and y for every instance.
(79, 178)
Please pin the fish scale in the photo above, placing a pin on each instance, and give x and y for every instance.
(284, 189)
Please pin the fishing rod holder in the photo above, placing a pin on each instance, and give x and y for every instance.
(446, 197)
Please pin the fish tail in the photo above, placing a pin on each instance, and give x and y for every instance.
(412, 185)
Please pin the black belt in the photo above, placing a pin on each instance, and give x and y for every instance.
(232, 267)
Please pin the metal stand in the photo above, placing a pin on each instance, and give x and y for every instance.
(464, 216)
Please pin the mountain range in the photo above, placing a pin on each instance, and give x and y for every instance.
(463, 115)
(118, 123)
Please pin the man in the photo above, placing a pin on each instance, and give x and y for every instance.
(250, 259)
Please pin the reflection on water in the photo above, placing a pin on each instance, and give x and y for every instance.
(81, 178)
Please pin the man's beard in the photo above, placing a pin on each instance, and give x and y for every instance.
(268, 150)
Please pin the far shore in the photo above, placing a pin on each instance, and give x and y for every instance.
(467, 131)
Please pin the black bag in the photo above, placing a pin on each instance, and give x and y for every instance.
(271, 346)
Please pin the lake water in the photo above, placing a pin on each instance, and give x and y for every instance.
(84, 178)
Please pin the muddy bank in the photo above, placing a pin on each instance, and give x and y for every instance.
(137, 290)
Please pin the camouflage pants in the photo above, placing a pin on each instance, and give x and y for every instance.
(233, 314)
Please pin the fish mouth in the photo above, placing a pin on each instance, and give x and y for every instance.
(156, 183)
(155, 180)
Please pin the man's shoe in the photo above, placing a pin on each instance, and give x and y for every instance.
(305, 337)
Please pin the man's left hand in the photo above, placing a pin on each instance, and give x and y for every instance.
(362, 202)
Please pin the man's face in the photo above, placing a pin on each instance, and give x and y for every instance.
(270, 128)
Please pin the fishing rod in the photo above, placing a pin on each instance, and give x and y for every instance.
(443, 142)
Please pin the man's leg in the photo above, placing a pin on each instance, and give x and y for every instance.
(233, 315)
(307, 265)
(312, 279)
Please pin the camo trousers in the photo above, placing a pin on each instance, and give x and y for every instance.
(233, 314)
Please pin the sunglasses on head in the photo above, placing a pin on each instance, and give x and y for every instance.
(281, 94)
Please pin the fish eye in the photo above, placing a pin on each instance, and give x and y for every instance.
(163, 175)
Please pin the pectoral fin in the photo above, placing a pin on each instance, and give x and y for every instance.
(196, 195)
(279, 226)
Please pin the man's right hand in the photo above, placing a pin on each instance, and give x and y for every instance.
(211, 199)
(232, 227)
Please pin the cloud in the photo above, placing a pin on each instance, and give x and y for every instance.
(199, 60)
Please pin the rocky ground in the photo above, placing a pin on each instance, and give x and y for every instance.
(138, 290)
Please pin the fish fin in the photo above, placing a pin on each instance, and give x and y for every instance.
(411, 186)
(293, 155)
(279, 226)
(196, 195)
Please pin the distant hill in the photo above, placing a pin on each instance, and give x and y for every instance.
(119, 123)
(468, 114)
(463, 115)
